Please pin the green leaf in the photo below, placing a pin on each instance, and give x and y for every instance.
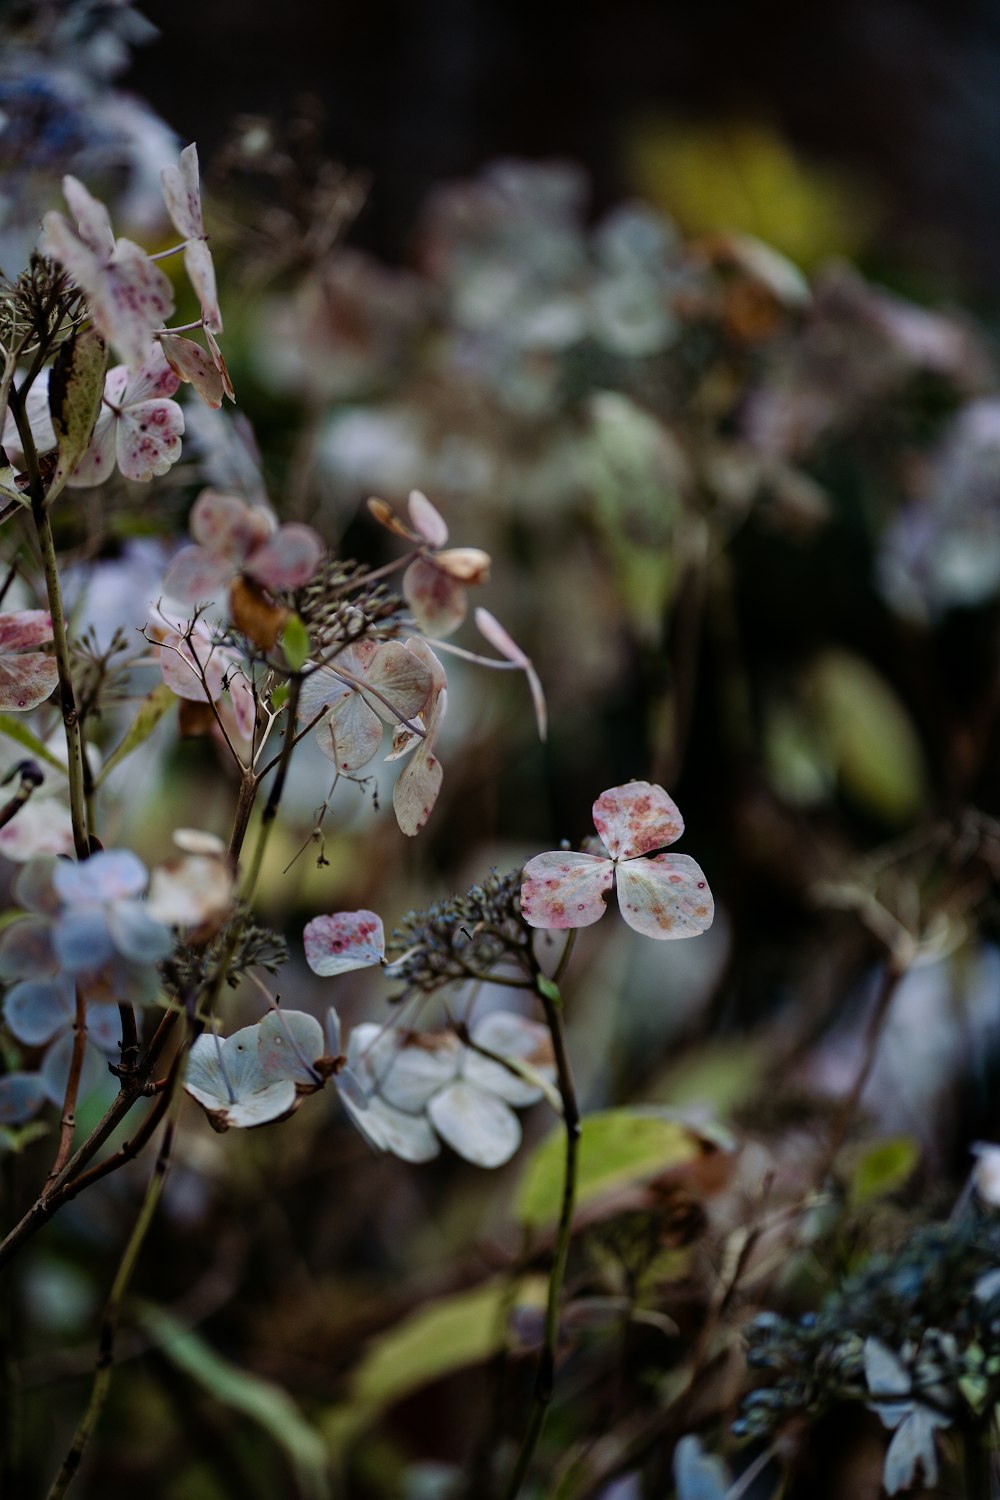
(11, 726)
(617, 1147)
(280, 696)
(76, 386)
(295, 643)
(151, 711)
(18, 1138)
(260, 1400)
(883, 1169)
(873, 745)
(549, 989)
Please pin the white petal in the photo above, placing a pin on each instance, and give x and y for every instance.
(477, 1125)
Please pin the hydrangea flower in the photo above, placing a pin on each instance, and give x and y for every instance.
(431, 1088)
(128, 295)
(660, 895)
(259, 1074)
(233, 538)
(182, 195)
(434, 583)
(138, 427)
(42, 1013)
(26, 677)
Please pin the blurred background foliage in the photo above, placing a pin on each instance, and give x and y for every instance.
(689, 319)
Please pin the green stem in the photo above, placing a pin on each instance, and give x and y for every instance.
(112, 1311)
(548, 993)
(270, 812)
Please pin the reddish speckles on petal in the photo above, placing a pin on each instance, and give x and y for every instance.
(344, 941)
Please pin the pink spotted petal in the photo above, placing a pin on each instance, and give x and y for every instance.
(201, 274)
(99, 459)
(665, 897)
(489, 626)
(220, 363)
(148, 440)
(288, 558)
(190, 363)
(437, 600)
(129, 299)
(351, 734)
(428, 522)
(402, 681)
(153, 379)
(228, 526)
(346, 940)
(182, 193)
(636, 818)
(26, 681)
(24, 627)
(416, 789)
(565, 889)
(197, 576)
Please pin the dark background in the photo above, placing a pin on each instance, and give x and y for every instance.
(904, 95)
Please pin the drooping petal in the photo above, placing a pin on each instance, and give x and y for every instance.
(289, 1042)
(344, 941)
(565, 889)
(489, 626)
(26, 681)
(636, 819)
(191, 889)
(417, 788)
(666, 896)
(438, 601)
(288, 558)
(464, 564)
(477, 1125)
(92, 220)
(190, 363)
(201, 274)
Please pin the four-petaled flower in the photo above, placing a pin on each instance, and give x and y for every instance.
(660, 895)
(233, 539)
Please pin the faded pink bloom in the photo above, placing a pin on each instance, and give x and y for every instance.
(234, 538)
(434, 583)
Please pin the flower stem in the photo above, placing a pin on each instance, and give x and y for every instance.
(112, 1311)
(548, 993)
